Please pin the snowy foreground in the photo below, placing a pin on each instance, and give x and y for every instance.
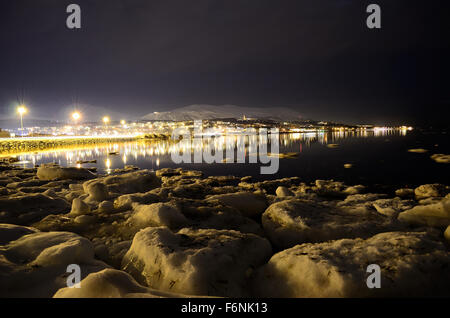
(174, 233)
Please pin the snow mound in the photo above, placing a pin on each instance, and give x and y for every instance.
(249, 204)
(436, 214)
(110, 283)
(429, 190)
(126, 201)
(53, 172)
(35, 265)
(24, 209)
(131, 182)
(196, 262)
(10, 232)
(79, 207)
(97, 191)
(283, 192)
(295, 221)
(411, 264)
(157, 214)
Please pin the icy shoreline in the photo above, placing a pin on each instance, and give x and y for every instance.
(169, 233)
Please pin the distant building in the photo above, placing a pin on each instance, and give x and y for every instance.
(4, 134)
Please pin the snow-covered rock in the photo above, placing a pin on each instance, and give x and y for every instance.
(126, 201)
(436, 214)
(295, 221)
(412, 264)
(11, 232)
(132, 182)
(97, 191)
(405, 193)
(283, 192)
(196, 262)
(429, 190)
(35, 265)
(249, 204)
(447, 234)
(391, 207)
(53, 172)
(24, 209)
(79, 207)
(110, 283)
(157, 214)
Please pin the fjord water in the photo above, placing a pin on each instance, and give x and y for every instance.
(376, 158)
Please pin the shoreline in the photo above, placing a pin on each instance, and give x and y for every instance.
(175, 232)
(28, 144)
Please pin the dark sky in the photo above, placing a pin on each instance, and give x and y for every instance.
(140, 56)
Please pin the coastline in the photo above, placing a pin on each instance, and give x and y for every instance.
(174, 232)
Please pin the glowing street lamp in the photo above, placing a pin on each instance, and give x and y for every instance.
(76, 116)
(22, 110)
(122, 122)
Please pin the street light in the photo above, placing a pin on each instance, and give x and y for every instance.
(22, 110)
(76, 116)
(122, 122)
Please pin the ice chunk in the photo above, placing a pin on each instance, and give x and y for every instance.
(429, 190)
(157, 214)
(110, 283)
(436, 214)
(24, 209)
(79, 207)
(35, 265)
(10, 232)
(196, 262)
(412, 264)
(249, 204)
(292, 222)
(53, 172)
(283, 192)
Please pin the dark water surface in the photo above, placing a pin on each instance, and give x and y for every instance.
(375, 158)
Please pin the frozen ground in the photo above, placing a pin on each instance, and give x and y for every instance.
(175, 233)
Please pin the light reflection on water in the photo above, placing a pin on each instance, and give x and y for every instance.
(154, 154)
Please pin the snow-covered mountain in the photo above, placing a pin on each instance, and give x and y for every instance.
(197, 112)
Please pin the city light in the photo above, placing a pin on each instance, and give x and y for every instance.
(123, 122)
(106, 119)
(76, 116)
(21, 110)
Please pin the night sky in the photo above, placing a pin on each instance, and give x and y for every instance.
(140, 56)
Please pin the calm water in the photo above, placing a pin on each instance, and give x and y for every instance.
(376, 158)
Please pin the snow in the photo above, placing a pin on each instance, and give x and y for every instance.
(296, 221)
(282, 191)
(97, 191)
(429, 190)
(157, 214)
(110, 283)
(24, 209)
(53, 172)
(35, 264)
(196, 262)
(412, 264)
(125, 201)
(10, 232)
(249, 204)
(435, 214)
(79, 207)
